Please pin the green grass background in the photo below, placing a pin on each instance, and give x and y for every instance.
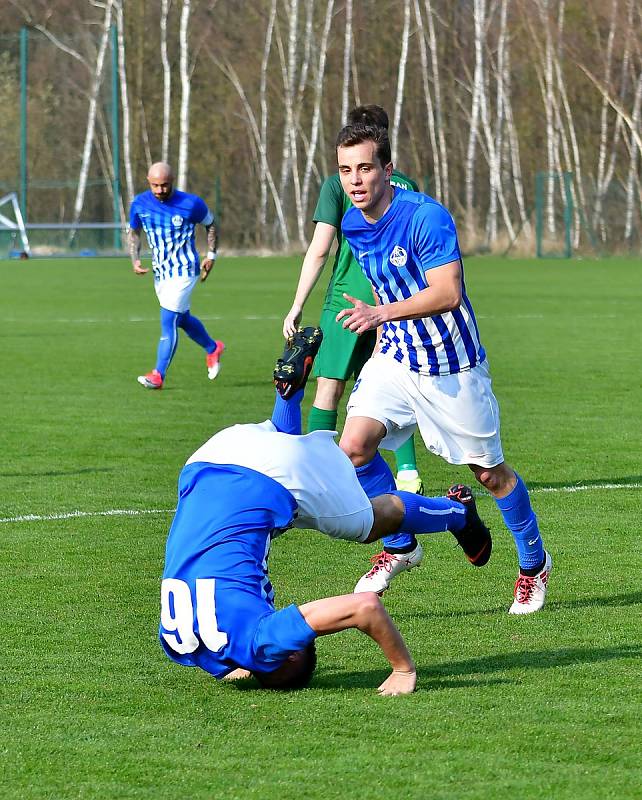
(546, 706)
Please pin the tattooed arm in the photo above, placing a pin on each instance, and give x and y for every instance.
(212, 242)
(133, 236)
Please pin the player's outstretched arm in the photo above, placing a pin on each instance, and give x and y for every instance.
(366, 612)
(313, 263)
(133, 237)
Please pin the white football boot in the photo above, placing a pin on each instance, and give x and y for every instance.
(384, 568)
(530, 592)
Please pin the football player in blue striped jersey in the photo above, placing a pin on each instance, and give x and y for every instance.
(430, 371)
(169, 218)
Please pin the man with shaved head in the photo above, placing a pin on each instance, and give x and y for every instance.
(169, 218)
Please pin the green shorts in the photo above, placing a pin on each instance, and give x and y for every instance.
(342, 353)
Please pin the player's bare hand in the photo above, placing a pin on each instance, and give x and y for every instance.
(238, 674)
(206, 268)
(361, 317)
(139, 269)
(398, 682)
(292, 321)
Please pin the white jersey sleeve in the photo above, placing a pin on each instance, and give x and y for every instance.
(313, 468)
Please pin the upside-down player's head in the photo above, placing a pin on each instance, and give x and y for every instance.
(294, 673)
(161, 180)
(369, 115)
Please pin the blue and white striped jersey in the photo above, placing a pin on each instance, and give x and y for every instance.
(169, 227)
(415, 235)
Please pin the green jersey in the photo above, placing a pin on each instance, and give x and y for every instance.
(346, 273)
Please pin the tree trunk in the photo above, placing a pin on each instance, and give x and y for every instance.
(228, 70)
(476, 91)
(124, 102)
(401, 79)
(347, 57)
(262, 143)
(439, 118)
(288, 74)
(183, 139)
(316, 115)
(633, 166)
(91, 117)
(430, 111)
(167, 81)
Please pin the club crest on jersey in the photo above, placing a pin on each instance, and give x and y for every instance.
(177, 220)
(398, 257)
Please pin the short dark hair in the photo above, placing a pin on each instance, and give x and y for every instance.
(358, 133)
(369, 115)
(292, 673)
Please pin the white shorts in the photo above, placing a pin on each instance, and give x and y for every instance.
(175, 293)
(313, 468)
(457, 415)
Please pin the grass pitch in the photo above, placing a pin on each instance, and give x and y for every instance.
(545, 706)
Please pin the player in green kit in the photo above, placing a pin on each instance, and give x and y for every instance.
(343, 354)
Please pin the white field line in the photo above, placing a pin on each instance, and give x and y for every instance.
(112, 512)
(134, 512)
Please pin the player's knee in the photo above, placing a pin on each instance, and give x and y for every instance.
(494, 479)
(357, 450)
(369, 604)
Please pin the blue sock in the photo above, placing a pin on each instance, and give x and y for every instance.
(521, 521)
(376, 478)
(286, 415)
(168, 340)
(431, 514)
(195, 329)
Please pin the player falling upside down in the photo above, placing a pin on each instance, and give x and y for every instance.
(169, 218)
(247, 485)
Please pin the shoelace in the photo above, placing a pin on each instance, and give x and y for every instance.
(524, 588)
(381, 560)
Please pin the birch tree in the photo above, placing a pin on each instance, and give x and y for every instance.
(288, 70)
(354, 71)
(263, 135)
(605, 177)
(300, 205)
(91, 115)
(634, 156)
(124, 101)
(479, 13)
(401, 79)
(183, 138)
(347, 61)
(167, 81)
(442, 155)
(548, 92)
(430, 111)
(316, 114)
(495, 143)
(228, 70)
(513, 147)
